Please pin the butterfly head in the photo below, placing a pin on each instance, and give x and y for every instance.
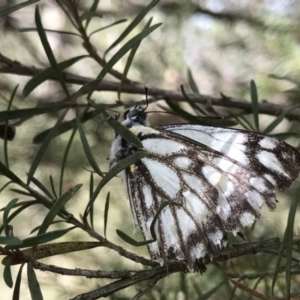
(135, 117)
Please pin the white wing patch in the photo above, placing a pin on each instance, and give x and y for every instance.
(232, 144)
(162, 146)
(215, 179)
(268, 143)
(269, 160)
(164, 177)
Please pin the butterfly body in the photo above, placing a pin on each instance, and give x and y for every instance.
(215, 179)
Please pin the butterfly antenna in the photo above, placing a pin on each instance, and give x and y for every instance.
(146, 93)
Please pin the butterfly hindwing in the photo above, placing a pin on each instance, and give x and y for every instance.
(211, 194)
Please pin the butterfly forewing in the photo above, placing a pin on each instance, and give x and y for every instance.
(277, 161)
(215, 180)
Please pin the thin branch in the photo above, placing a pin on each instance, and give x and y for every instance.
(84, 272)
(128, 278)
(14, 67)
(261, 274)
(121, 251)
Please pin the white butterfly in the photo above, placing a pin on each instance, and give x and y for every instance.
(216, 180)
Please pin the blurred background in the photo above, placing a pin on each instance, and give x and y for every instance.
(224, 43)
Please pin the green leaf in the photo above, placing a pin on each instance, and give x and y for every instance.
(123, 131)
(7, 273)
(208, 294)
(11, 9)
(49, 30)
(106, 208)
(53, 187)
(16, 294)
(48, 50)
(7, 209)
(140, 16)
(289, 234)
(91, 193)
(24, 205)
(92, 9)
(255, 105)
(42, 187)
(9, 174)
(30, 112)
(121, 165)
(129, 61)
(49, 73)
(21, 192)
(108, 26)
(64, 161)
(40, 198)
(34, 286)
(56, 208)
(135, 243)
(41, 239)
(88, 15)
(66, 9)
(53, 222)
(66, 126)
(192, 82)
(12, 241)
(6, 125)
(86, 147)
(279, 119)
(209, 121)
(5, 185)
(44, 148)
(243, 121)
(196, 107)
(285, 135)
(152, 226)
(132, 241)
(119, 55)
